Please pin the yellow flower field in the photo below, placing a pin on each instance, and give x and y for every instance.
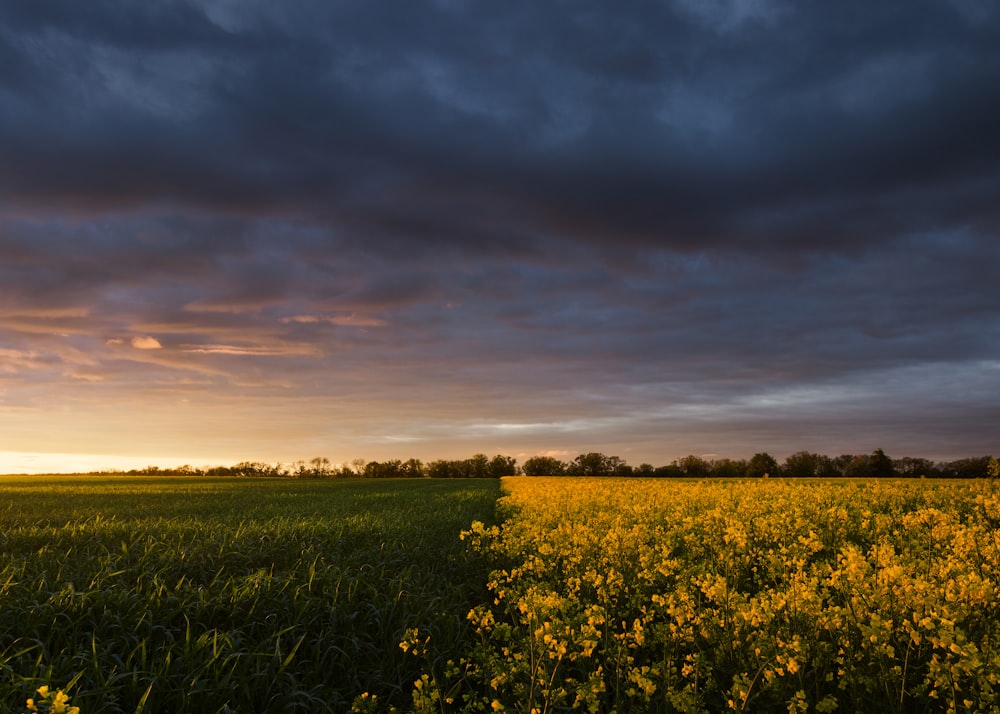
(650, 595)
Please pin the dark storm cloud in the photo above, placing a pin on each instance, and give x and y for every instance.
(628, 219)
(675, 124)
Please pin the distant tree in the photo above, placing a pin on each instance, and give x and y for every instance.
(644, 470)
(762, 464)
(320, 467)
(439, 469)
(802, 464)
(384, 469)
(840, 463)
(914, 467)
(393, 469)
(880, 465)
(857, 467)
(827, 468)
(694, 466)
(993, 468)
(479, 466)
(616, 466)
(728, 468)
(590, 464)
(501, 466)
(543, 466)
(412, 468)
(669, 471)
(976, 467)
(253, 468)
(593, 464)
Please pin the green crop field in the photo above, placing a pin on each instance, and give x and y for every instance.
(227, 595)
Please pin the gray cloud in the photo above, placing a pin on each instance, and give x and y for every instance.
(552, 227)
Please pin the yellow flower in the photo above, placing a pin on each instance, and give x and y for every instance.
(56, 702)
(59, 703)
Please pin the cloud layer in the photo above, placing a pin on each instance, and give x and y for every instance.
(242, 230)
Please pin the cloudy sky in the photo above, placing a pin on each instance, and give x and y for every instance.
(252, 230)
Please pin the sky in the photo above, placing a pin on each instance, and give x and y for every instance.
(242, 230)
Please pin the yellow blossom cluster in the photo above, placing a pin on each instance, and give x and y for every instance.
(650, 595)
(56, 702)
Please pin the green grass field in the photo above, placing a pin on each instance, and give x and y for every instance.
(224, 595)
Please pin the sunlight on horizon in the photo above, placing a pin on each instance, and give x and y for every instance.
(33, 462)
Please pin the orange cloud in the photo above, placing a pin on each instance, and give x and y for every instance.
(146, 343)
(251, 350)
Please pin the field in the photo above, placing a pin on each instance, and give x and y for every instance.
(626, 595)
(229, 595)
(766, 595)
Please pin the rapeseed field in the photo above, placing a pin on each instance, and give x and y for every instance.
(764, 596)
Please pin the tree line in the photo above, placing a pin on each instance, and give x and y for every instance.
(478, 466)
(801, 464)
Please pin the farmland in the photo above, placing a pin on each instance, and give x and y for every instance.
(229, 595)
(640, 595)
(631, 595)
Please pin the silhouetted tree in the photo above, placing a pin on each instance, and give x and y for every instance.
(479, 466)
(857, 467)
(839, 463)
(439, 469)
(344, 471)
(501, 466)
(253, 468)
(412, 468)
(594, 464)
(914, 467)
(729, 468)
(802, 464)
(669, 471)
(543, 466)
(880, 465)
(827, 468)
(384, 469)
(762, 464)
(320, 468)
(968, 468)
(694, 466)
